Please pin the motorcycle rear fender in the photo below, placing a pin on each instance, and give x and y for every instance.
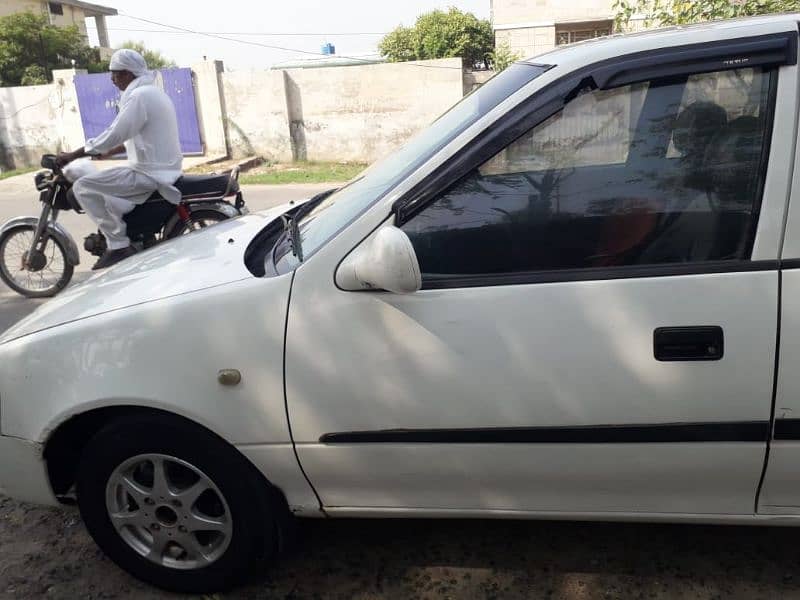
(54, 229)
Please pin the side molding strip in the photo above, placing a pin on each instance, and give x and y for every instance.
(737, 431)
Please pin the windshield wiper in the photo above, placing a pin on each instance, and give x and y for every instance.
(290, 222)
(292, 232)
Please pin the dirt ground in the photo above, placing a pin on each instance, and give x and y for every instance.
(46, 553)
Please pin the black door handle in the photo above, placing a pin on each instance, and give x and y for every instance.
(688, 343)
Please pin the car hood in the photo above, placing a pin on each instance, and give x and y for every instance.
(203, 259)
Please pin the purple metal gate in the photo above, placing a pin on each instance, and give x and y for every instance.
(179, 87)
(98, 100)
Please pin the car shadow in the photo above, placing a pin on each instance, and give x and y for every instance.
(533, 559)
(46, 551)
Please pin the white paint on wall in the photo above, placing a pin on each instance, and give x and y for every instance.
(27, 124)
(257, 121)
(357, 113)
(210, 106)
(511, 12)
(348, 114)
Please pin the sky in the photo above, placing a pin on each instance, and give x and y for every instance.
(354, 27)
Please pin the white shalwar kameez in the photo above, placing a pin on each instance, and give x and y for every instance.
(148, 127)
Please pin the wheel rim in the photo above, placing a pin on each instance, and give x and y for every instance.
(169, 511)
(13, 255)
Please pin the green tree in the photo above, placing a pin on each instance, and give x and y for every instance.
(154, 58)
(683, 12)
(33, 75)
(440, 34)
(502, 57)
(30, 47)
(399, 45)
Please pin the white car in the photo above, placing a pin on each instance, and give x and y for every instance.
(575, 296)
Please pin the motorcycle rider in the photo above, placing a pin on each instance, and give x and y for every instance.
(148, 127)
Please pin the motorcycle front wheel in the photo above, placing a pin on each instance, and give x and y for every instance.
(41, 275)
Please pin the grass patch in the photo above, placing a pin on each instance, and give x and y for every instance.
(15, 172)
(302, 172)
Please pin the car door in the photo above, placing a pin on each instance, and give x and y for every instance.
(595, 332)
(780, 492)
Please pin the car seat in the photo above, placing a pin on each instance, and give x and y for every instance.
(731, 163)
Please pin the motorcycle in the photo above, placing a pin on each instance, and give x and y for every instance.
(38, 255)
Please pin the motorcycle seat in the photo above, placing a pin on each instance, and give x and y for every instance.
(191, 187)
(200, 187)
(205, 186)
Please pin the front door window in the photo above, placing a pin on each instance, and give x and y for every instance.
(660, 172)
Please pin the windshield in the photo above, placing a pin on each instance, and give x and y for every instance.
(342, 207)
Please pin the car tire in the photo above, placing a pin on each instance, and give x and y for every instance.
(249, 515)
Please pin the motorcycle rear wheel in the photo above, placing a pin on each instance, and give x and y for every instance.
(199, 219)
(43, 282)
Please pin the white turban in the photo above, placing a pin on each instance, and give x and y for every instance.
(128, 60)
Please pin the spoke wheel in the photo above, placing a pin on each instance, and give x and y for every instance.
(169, 511)
(41, 274)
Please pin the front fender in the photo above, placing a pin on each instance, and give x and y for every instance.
(54, 229)
(163, 353)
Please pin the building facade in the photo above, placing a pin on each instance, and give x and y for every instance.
(64, 14)
(532, 27)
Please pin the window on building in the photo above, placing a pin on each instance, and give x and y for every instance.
(56, 8)
(665, 171)
(577, 32)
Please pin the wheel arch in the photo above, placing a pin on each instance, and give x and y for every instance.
(64, 446)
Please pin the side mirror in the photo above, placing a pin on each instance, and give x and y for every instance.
(384, 261)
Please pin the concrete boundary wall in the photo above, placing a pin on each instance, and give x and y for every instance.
(355, 113)
(46, 118)
(39, 119)
(257, 121)
(27, 124)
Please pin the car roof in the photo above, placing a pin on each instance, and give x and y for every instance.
(593, 50)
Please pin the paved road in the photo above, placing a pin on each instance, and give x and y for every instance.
(20, 198)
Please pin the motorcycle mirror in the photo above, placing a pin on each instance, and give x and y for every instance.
(49, 161)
